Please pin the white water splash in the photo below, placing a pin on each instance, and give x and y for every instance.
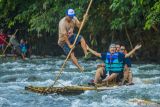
(4, 102)
(76, 103)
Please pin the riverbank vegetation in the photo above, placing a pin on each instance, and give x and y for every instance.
(109, 20)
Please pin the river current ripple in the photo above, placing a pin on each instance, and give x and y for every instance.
(15, 75)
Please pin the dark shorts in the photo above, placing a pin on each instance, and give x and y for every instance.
(128, 62)
(1, 46)
(104, 74)
(118, 79)
(17, 50)
(66, 48)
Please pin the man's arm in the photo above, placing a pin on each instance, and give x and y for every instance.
(94, 52)
(133, 50)
(67, 42)
(78, 23)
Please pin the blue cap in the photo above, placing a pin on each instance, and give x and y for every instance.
(70, 13)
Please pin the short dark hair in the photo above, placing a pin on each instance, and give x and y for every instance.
(117, 43)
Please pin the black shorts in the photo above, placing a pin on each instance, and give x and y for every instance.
(66, 48)
(17, 50)
(104, 75)
(119, 76)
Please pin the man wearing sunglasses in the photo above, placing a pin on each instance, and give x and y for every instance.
(117, 46)
(114, 64)
(127, 68)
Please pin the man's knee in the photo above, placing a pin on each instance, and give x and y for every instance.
(114, 74)
(72, 55)
(100, 70)
(82, 39)
(100, 65)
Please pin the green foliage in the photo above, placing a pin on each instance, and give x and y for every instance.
(118, 23)
(44, 15)
(38, 15)
(153, 17)
(126, 13)
(135, 13)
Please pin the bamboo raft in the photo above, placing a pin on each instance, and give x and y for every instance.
(67, 90)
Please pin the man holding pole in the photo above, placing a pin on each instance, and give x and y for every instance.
(67, 36)
(16, 46)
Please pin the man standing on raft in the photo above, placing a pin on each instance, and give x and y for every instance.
(67, 36)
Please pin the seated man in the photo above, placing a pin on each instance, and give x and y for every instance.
(127, 68)
(114, 64)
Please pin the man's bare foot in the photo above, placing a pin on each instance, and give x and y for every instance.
(130, 83)
(87, 56)
(81, 69)
(105, 80)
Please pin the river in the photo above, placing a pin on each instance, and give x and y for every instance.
(16, 74)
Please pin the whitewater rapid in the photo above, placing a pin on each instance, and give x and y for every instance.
(15, 75)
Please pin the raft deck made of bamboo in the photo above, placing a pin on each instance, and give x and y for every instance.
(67, 89)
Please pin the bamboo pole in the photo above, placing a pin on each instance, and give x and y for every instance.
(4, 40)
(61, 70)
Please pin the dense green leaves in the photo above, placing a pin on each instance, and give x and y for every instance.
(154, 16)
(44, 15)
(109, 21)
